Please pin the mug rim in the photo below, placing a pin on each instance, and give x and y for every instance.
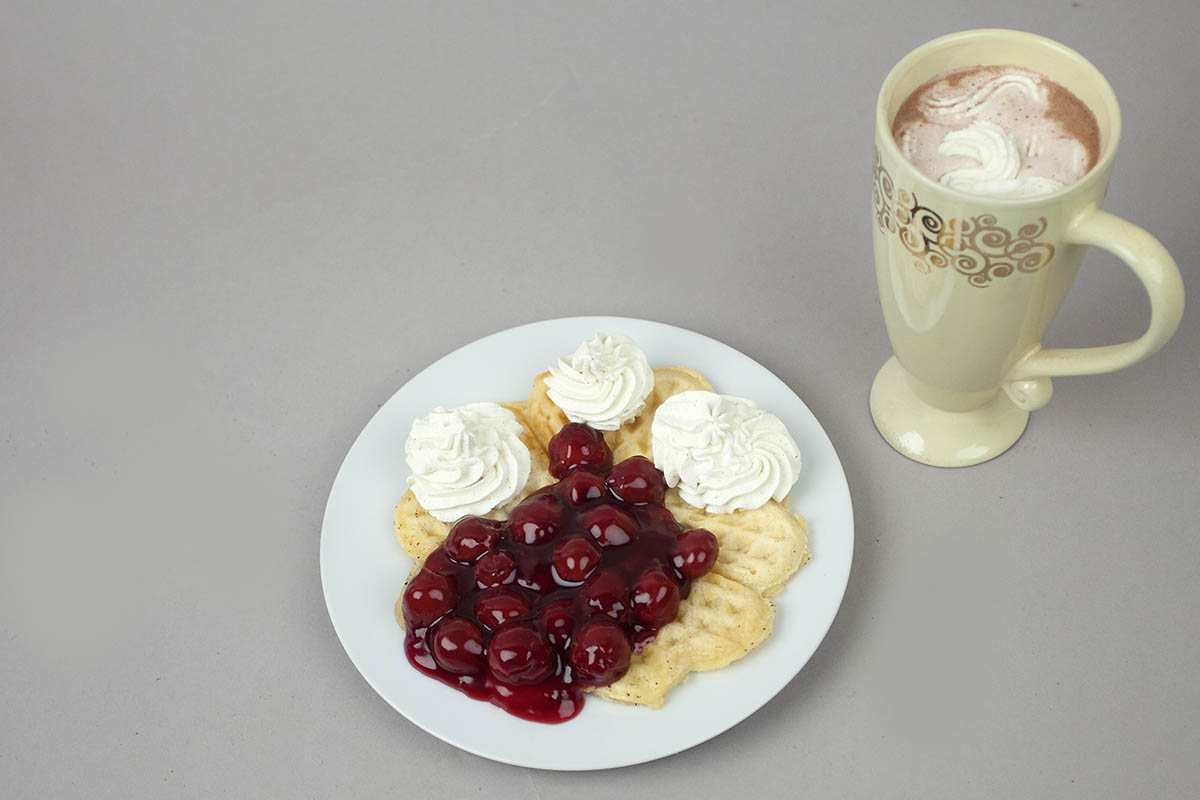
(1096, 173)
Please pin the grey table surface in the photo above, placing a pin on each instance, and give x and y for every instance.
(229, 231)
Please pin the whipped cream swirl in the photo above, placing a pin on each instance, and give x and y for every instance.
(605, 382)
(972, 102)
(999, 163)
(724, 453)
(466, 460)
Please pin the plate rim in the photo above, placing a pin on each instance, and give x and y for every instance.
(842, 578)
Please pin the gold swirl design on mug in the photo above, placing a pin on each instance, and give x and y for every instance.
(883, 197)
(977, 247)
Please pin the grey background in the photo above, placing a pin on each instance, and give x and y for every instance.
(229, 231)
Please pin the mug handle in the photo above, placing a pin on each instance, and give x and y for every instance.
(1028, 383)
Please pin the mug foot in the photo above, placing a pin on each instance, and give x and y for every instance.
(941, 438)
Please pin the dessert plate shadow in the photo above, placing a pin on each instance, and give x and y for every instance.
(363, 568)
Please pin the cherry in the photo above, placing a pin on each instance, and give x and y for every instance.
(605, 593)
(583, 485)
(545, 490)
(438, 561)
(636, 480)
(536, 519)
(495, 569)
(695, 552)
(537, 577)
(655, 598)
(558, 621)
(609, 525)
(661, 518)
(498, 606)
(471, 537)
(600, 653)
(578, 445)
(458, 646)
(642, 637)
(575, 558)
(519, 654)
(427, 597)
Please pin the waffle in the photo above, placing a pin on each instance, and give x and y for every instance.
(728, 611)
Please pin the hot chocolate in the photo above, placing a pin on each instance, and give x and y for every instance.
(1003, 131)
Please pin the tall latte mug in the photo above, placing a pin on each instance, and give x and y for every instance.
(968, 284)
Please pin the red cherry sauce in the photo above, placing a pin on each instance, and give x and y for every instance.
(632, 585)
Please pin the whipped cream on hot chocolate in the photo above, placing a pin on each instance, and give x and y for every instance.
(1001, 131)
(975, 98)
(998, 170)
(604, 383)
(724, 453)
(466, 460)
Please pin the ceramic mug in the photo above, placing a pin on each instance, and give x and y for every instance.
(968, 283)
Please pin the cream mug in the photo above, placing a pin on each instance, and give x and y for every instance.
(968, 283)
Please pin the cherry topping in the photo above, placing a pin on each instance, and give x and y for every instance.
(575, 558)
(536, 520)
(519, 654)
(498, 606)
(600, 653)
(495, 569)
(609, 525)
(637, 480)
(527, 613)
(695, 552)
(458, 646)
(558, 621)
(427, 597)
(471, 537)
(578, 445)
(583, 485)
(655, 598)
(606, 593)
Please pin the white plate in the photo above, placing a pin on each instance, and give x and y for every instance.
(363, 568)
